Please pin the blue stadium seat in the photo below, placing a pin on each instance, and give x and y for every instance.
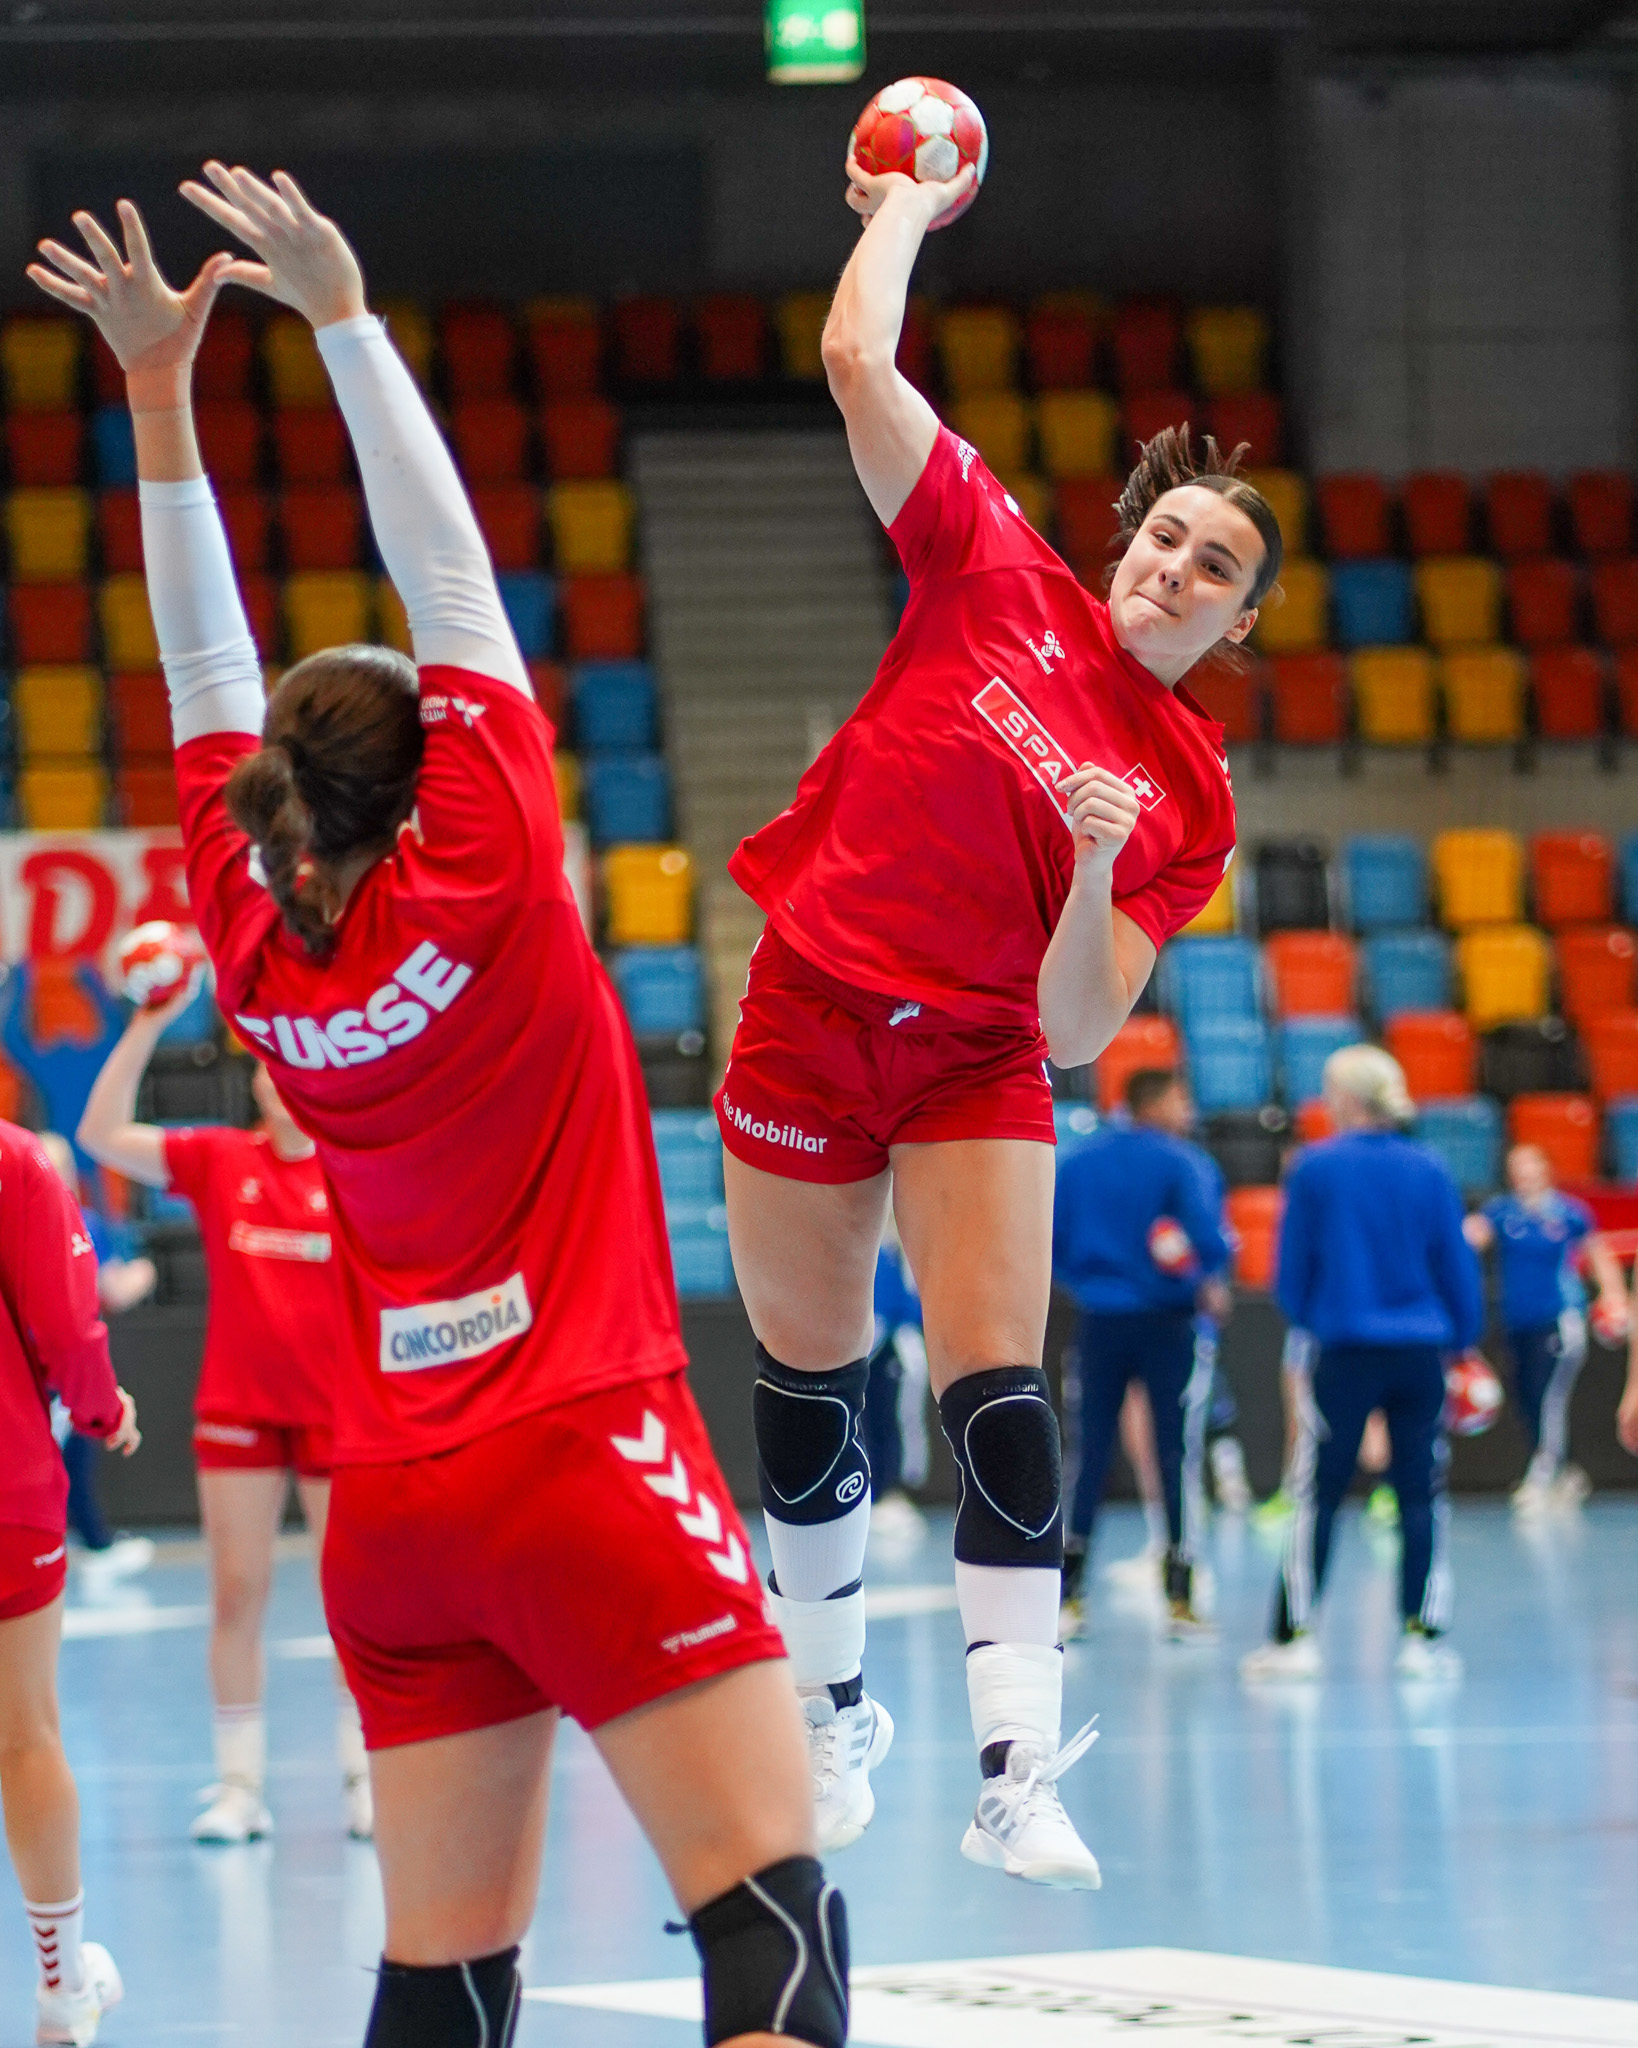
(627, 799)
(1621, 1136)
(113, 442)
(1074, 1123)
(1303, 1045)
(1465, 1131)
(1629, 877)
(1209, 977)
(688, 1146)
(662, 987)
(198, 1023)
(614, 707)
(1229, 1066)
(1385, 875)
(1373, 604)
(530, 598)
(699, 1247)
(1406, 971)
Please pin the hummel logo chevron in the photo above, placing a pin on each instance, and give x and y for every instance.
(672, 1485)
(647, 1449)
(705, 1523)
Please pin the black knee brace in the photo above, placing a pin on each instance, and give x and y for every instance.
(450, 2005)
(774, 1956)
(810, 1464)
(1004, 1434)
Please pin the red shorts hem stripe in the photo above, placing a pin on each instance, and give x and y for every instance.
(233, 1444)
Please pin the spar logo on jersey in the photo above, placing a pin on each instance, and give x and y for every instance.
(451, 1332)
(1144, 787)
(438, 710)
(1001, 707)
(396, 1012)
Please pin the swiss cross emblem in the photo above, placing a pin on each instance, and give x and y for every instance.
(1144, 787)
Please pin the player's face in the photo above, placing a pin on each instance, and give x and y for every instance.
(1529, 1171)
(1182, 585)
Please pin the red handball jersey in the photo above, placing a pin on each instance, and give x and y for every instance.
(274, 1340)
(465, 1068)
(927, 853)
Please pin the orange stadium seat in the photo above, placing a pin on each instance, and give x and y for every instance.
(1218, 915)
(323, 527)
(1256, 417)
(119, 530)
(1308, 699)
(581, 437)
(226, 362)
(799, 319)
(1438, 512)
(1393, 695)
(1569, 684)
(1543, 601)
(1611, 1042)
(1079, 432)
(1087, 523)
(1597, 970)
(311, 446)
(1504, 970)
(58, 712)
(296, 374)
(649, 892)
(62, 796)
(247, 516)
(49, 532)
(1573, 878)
(139, 710)
(647, 334)
(1140, 1042)
(509, 515)
(566, 348)
(978, 348)
(602, 616)
(326, 608)
(731, 330)
(491, 439)
(1228, 347)
(1518, 509)
(1480, 878)
(480, 346)
(1614, 586)
(1601, 512)
(1311, 974)
(1564, 1126)
(1437, 1050)
(1460, 596)
(128, 639)
(1287, 496)
(145, 795)
(1483, 690)
(40, 361)
(999, 426)
(1143, 337)
(392, 627)
(230, 440)
(1060, 340)
(1233, 694)
(1254, 1218)
(1354, 516)
(1313, 1122)
(1147, 413)
(591, 524)
(49, 622)
(45, 447)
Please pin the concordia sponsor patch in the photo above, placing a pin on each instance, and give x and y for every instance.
(451, 1332)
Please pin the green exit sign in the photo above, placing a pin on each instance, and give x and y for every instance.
(810, 43)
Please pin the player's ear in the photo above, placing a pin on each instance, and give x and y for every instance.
(1242, 625)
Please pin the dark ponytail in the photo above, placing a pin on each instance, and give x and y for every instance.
(1167, 463)
(335, 777)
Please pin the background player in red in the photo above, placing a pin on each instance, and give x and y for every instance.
(526, 1517)
(51, 1340)
(266, 1397)
(978, 871)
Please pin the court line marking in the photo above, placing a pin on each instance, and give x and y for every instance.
(130, 1621)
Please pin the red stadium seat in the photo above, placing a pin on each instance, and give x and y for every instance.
(261, 596)
(567, 352)
(1601, 512)
(1564, 1126)
(1437, 1050)
(323, 528)
(1543, 599)
(1233, 693)
(139, 710)
(1614, 584)
(646, 334)
(119, 532)
(230, 440)
(1438, 514)
(731, 329)
(108, 379)
(145, 795)
(1611, 1041)
(1519, 514)
(248, 517)
(1253, 416)
(1569, 691)
(226, 361)
(1254, 1218)
(1147, 413)
(551, 686)
(491, 438)
(1597, 970)
(581, 437)
(1313, 1122)
(1308, 698)
(914, 359)
(480, 351)
(1626, 690)
(1144, 337)
(311, 446)
(50, 622)
(1354, 516)
(1140, 1042)
(1060, 340)
(1311, 973)
(44, 448)
(602, 616)
(509, 515)
(1573, 875)
(1087, 523)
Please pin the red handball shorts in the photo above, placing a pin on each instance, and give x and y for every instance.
(823, 1078)
(586, 1557)
(33, 1568)
(220, 1445)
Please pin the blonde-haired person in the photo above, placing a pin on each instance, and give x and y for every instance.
(1372, 1262)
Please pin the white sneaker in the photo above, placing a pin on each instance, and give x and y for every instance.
(1532, 1498)
(1297, 1661)
(124, 1558)
(1426, 1657)
(72, 2016)
(895, 1518)
(235, 1814)
(358, 1804)
(845, 1744)
(1020, 1825)
(1571, 1487)
(1140, 1573)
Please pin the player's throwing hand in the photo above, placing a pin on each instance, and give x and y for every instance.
(305, 261)
(866, 190)
(1102, 811)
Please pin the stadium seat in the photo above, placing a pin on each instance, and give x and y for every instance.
(247, 518)
(1628, 856)
(1438, 513)
(1460, 598)
(479, 344)
(509, 515)
(1614, 587)
(649, 894)
(731, 332)
(581, 437)
(491, 439)
(1518, 507)
(1299, 621)
(145, 795)
(1312, 1122)
(1354, 517)
(1079, 432)
(799, 321)
(322, 526)
(1504, 972)
(296, 375)
(688, 1149)
(1610, 1041)
(1568, 685)
(1479, 877)
(1229, 1062)
(627, 798)
(62, 796)
(1543, 601)
(49, 532)
(49, 622)
(1293, 888)
(1060, 339)
(1032, 495)
(978, 347)
(1209, 977)
(1564, 1126)
(56, 712)
(566, 775)
(1308, 699)
(1254, 1217)
(311, 446)
(1303, 1045)
(1287, 496)
(1256, 418)
(1372, 604)
(591, 525)
(1143, 338)
(1147, 413)
(1626, 690)
(119, 531)
(662, 988)
(530, 599)
(1310, 973)
(139, 710)
(615, 707)
(1437, 1050)
(1465, 1135)
(1406, 970)
(1384, 880)
(550, 682)
(1572, 878)
(1140, 1042)
(1232, 692)
(264, 610)
(326, 608)
(1601, 512)
(1228, 348)
(128, 639)
(1087, 522)
(1597, 971)
(1393, 695)
(48, 448)
(40, 361)
(565, 346)
(647, 334)
(998, 425)
(1621, 1138)
(1483, 690)
(602, 616)
(226, 361)
(230, 441)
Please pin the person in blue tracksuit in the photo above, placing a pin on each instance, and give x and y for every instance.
(894, 1427)
(1137, 1239)
(1373, 1263)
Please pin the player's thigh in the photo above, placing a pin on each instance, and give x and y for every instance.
(241, 1509)
(805, 1259)
(459, 1825)
(975, 1217)
(28, 1676)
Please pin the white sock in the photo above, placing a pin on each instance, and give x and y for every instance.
(57, 1934)
(240, 1736)
(812, 1560)
(824, 1638)
(1155, 1533)
(1009, 1603)
(1016, 1693)
(350, 1751)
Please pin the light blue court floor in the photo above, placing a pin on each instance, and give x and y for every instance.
(1277, 1868)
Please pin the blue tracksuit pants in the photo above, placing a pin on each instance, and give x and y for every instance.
(1158, 1347)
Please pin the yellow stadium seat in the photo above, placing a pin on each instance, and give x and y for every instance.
(1480, 878)
(591, 525)
(800, 318)
(1033, 496)
(1302, 621)
(998, 425)
(58, 711)
(1080, 432)
(128, 639)
(40, 359)
(411, 332)
(566, 773)
(1484, 694)
(649, 891)
(979, 348)
(295, 369)
(50, 533)
(62, 796)
(392, 621)
(326, 608)
(1393, 688)
(1216, 917)
(1461, 598)
(1228, 346)
(271, 672)
(1505, 969)
(1287, 495)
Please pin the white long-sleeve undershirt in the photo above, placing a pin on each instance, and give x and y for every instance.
(211, 665)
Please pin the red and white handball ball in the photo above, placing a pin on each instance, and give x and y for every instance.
(1473, 1395)
(156, 961)
(929, 131)
(1171, 1247)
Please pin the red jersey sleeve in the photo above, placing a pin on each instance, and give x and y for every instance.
(1177, 895)
(958, 520)
(190, 1157)
(49, 1272)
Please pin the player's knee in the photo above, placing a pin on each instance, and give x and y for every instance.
(237, 1598)
(1001, 1426)
(811, 1466)
(446, 2005)
(773, 1953)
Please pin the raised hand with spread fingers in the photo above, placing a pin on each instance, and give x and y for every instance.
(301, 258)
